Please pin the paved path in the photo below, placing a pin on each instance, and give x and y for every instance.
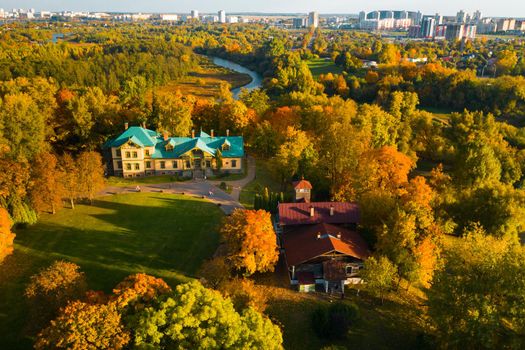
(196, 188)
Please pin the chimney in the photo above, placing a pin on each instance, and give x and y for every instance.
(227, 132)
(165, 135)
(331, 210)
(144, 125)
(318, 235)
(338, 235)
(312, 211)
(126, 125)
(212, 133)
(193, 134)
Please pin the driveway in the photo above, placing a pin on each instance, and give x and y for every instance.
(197, 188)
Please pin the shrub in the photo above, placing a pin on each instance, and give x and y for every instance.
(334, 322)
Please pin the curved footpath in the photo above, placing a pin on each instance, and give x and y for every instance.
(197, 188)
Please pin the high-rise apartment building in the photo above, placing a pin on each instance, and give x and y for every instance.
(428, 27)
(313, 19)
(195, 14)
(222, 16)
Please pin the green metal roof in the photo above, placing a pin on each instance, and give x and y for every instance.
(181, 145)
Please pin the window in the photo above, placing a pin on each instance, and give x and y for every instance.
(128, 166)
(208, 164)
(148, 164)
(188, 164)
(225, 147)
(137, 166)
(135, 155)
(175, 164)
(234, 163)
(119, 165)
(118, 153)
(128, 155)
(163, 165)
(147, 152)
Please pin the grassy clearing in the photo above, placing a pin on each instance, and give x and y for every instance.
(264, 177)
(164, 235)
(206, 80)
(440, 114)
(395, 325)
(320, 66)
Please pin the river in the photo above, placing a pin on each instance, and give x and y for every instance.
(256, 77)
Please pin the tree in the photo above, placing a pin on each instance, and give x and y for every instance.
(70, 178)
(90, 175)
(46, 186)
(85, 326)
(251, 241)
(174, 115)
(296, 149)
(52, 288)
(476, 300)
(137, 291)
(194, 317)
(335, 321)
(215, 272)
(256, 99)
(6, 236)
(379, 275)
(244, 294)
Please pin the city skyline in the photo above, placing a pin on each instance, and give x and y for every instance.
(503, 8)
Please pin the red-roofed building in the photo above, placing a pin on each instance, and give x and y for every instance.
(303, 191)
(320, 241)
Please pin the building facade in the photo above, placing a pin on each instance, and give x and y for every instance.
(139, 152)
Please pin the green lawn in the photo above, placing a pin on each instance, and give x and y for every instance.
(320, 66)
(148, 180)
(263, 178)
(164, 235)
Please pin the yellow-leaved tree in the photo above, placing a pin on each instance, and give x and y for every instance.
(6, 236)
(251, 241)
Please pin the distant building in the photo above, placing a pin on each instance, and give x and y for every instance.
(299, 22)
(388, 20)
(210, 19)
(457, 31)
(428, 27)
(505, 25)
(232, 19)
(477, 16)
(222, 16)
(313, 19)
(303, 191)
(195, 14)
(169, 17)
(441, 31)
(439, 19)
(461, 17)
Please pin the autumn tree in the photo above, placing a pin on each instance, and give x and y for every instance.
(46, 185)
(69, 178)
(214, 272)
(174, 115)
(6, 236)
(137, 291)
(379, 275)
(193, 317)
(90, 175)
(244, 294)
(52, 288)
(85, 326)
(476, 300)
(251, 241)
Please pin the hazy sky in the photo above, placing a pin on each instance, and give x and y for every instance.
(514, 8)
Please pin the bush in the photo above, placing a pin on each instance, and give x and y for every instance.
(223, 186)
(334, 322)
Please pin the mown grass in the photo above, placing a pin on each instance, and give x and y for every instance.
(320, 66)
(264, 177)
(147, 180)
(167, 236)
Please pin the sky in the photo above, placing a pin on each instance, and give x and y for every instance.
(490, 8)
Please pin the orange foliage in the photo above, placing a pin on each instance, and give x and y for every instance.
(427, 254)
(251, 242)
(417, 191)
(6, 236)
(85, 326)
(284, 117)
(139, 289)
(244, 293)
(385, 168)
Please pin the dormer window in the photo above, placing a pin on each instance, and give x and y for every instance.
(226, 145)
(169, 148)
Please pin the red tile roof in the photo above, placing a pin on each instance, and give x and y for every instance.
(302, 184)
(299, 213)
(303, 244)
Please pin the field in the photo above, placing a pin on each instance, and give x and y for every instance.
(320, 66)
(164, 235)
(206, 80)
